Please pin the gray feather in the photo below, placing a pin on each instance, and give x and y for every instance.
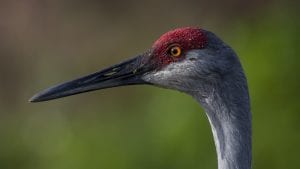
(215, 78)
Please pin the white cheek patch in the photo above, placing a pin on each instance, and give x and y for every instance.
(177, 71)
(173, 72)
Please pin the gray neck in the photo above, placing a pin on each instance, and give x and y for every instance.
(227, 108)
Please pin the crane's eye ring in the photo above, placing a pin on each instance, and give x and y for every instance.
(175, 51)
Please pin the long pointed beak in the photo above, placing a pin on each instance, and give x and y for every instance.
(125, 73)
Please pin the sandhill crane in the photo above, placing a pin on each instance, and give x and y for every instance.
(194, 61)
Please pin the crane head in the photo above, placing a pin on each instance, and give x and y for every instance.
(183, 59)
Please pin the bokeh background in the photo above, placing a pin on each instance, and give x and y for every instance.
(44, 42)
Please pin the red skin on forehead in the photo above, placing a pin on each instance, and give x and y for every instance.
(186, 38)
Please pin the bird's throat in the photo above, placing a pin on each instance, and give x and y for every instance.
(230, 119)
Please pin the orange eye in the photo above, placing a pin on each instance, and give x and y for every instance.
(175, 51)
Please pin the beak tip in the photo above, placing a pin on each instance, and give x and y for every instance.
(37, 98)
(34, 99)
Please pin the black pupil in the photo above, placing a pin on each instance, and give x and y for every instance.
(174, 51)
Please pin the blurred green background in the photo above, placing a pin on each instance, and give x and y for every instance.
(44, 42)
